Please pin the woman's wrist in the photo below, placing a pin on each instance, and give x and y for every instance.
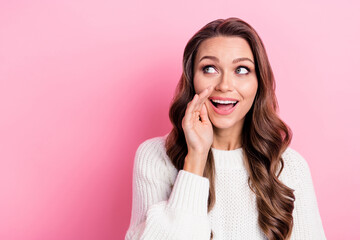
(195, 164)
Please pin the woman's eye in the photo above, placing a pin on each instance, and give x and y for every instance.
(239, 70)
(210, 68)
(243, 70)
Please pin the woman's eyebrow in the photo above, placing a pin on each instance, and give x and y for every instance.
(234, 61)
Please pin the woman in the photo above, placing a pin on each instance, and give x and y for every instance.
(226, 170)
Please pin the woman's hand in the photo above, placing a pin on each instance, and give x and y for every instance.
(198, 132)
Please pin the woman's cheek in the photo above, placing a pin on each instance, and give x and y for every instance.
(199, 84)
(250, 88)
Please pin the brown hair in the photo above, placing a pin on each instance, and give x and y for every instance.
(264, 136)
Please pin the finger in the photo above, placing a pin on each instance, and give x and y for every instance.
(190, 108)
(203, 115)
(199, 103)
(202, 98)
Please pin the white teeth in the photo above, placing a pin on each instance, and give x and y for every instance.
(223, 102)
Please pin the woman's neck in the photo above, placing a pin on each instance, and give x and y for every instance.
(226, 139)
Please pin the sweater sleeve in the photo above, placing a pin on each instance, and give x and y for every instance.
(307, 220)
(160, 211)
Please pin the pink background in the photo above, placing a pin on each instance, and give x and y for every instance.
(83, 83)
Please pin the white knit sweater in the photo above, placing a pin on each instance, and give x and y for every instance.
(170, 204)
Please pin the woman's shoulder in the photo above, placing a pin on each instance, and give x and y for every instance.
(293, 158)
(151, 159)
(153, 148)
(296, 167)
(154, 144)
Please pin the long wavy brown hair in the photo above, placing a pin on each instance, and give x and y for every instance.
(264, 135)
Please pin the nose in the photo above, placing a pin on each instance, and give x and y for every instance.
(225, 83)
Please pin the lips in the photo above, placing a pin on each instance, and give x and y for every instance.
(222, 98)
(215, 104)
(216, 101)
(224, 109)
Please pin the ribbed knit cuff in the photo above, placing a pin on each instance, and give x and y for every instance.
(190, 193)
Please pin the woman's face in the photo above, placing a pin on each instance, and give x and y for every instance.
(227, 63)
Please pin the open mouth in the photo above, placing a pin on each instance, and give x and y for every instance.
(223, 105)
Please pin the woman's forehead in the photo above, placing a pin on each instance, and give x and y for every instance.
(224, 47)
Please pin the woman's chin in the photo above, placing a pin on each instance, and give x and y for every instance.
(222, 124)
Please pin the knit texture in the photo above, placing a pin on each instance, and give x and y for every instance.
(170, 204)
